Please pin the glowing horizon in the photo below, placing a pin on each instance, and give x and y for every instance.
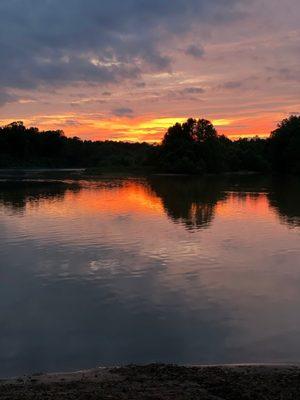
(136, 129)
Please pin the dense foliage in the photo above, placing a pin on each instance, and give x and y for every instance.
(28, 147)
(284, 146)
(193, 147)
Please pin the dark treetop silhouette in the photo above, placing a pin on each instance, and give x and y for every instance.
(193, 147)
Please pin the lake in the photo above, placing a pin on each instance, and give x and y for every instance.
(157, 269)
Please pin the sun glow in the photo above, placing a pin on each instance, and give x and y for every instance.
(146, 128)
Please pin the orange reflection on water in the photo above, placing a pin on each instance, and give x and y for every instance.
(135, 197)
(254, 203)
(128, 197)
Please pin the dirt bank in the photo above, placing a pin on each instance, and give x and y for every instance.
(161, 382)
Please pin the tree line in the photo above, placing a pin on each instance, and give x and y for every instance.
(193, 147)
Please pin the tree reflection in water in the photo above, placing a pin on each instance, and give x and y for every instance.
(15, 195)
(284, 197)
(188, 200)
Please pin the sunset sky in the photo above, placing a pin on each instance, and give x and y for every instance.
(128, 69)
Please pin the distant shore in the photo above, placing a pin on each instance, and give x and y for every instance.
(161, 382)
(90, 173)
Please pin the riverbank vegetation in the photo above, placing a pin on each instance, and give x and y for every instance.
(193, 147)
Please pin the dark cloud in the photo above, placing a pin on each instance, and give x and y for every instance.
(140, 84)
(195, 51)
(245, 83)
(6, 97)
(123, 112)
(192, 90)
(74, 41)
(187, 93)
(72, 122)
(232, 85)
(284, 74)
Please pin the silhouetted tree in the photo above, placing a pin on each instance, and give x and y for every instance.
(192, 147)
(284, 146)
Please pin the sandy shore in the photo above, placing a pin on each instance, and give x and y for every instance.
(161, 382)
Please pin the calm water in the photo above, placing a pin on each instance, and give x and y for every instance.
(162, 269)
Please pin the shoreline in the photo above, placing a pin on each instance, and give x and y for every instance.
(161, 381)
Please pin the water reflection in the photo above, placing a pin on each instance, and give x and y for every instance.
(164, 269)
(193, 201)
(284, 197)
(16, 195)
(189, 200)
